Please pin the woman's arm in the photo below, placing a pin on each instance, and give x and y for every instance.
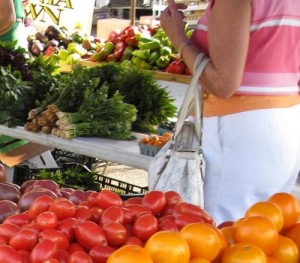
(7, 15)
(228, 38)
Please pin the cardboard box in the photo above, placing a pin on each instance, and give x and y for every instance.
(105, 26)
(23, 153)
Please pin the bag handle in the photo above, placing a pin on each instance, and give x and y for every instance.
(193, 98)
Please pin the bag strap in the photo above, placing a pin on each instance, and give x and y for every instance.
(192, 101)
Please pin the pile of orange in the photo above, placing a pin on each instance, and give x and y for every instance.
(156, 140)
(269, 232)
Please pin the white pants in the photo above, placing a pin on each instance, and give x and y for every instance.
(249, 156)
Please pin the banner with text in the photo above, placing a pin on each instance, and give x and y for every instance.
(73, 14)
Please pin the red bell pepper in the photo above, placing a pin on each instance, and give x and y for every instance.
(131, 41)
(112, 36)
(176, 67)
(119, 49)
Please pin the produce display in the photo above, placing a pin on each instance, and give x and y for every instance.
(42, 222)
(107, 101)
(146, 47)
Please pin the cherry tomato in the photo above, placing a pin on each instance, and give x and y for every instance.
(155, 201)
(100, 254)
(67, 226)
(80, 257)
(145, 226)
(63, 208)
(89, 234)
(44, 250)
(9, 254)
(107, 198)
(46, 220)
(25, 239)
(59, 238)
(39, 205)
(112, 214)
(115, 233)
(18, 219)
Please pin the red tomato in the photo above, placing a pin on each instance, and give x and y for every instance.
(155, 201)
(63, 256)
(100, 254)
(191, 209)
(96, 213)
(8, 230)
(133, 241)
(185, 219)
(18, 219)
(173, 197)
(25, 239)
(3, 240)
(75, 247)
(115, 233)
(59, 238)
(32, 226)
(80, 257)
(82, 213)
(63, 208)
(9, 254)
(145, 226)
(112, 214)
(167, 224)
(129, 229)
(78, 196)
(138, 210)
(25, 255)
(128, 215)
(133, 200)
(39, 205)
(46, 220)
(51, 260)
(91, 199)
(107, 198)
(45, 249)
(67, 226)
(89, 234)
(168, 210)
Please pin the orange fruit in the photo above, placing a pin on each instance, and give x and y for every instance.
(289, 206)
(294, 234)
(202, 239)
(269, 210)
(259, 231)
(199, 260)
(166, 247)
(244, 252)
(129, 254)
(272, 260)
(286, 251)
(228, 233)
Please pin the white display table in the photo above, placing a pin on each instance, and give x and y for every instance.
(118, 151)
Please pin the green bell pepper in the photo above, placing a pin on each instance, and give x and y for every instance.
(142, 54)
(141, 63)
(163, 61)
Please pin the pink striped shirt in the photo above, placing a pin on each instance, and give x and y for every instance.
(273, 61)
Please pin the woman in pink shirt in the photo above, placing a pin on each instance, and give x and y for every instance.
(251, 134)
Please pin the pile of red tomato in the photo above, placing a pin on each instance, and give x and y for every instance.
(73, 226)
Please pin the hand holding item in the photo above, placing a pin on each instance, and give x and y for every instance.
(172, 21)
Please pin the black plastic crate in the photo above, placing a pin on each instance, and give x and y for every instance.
(125, 189)
(119, 186)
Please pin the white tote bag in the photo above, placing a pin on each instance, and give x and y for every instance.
(179, 165)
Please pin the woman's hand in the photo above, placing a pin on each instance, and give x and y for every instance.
(172, 21)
